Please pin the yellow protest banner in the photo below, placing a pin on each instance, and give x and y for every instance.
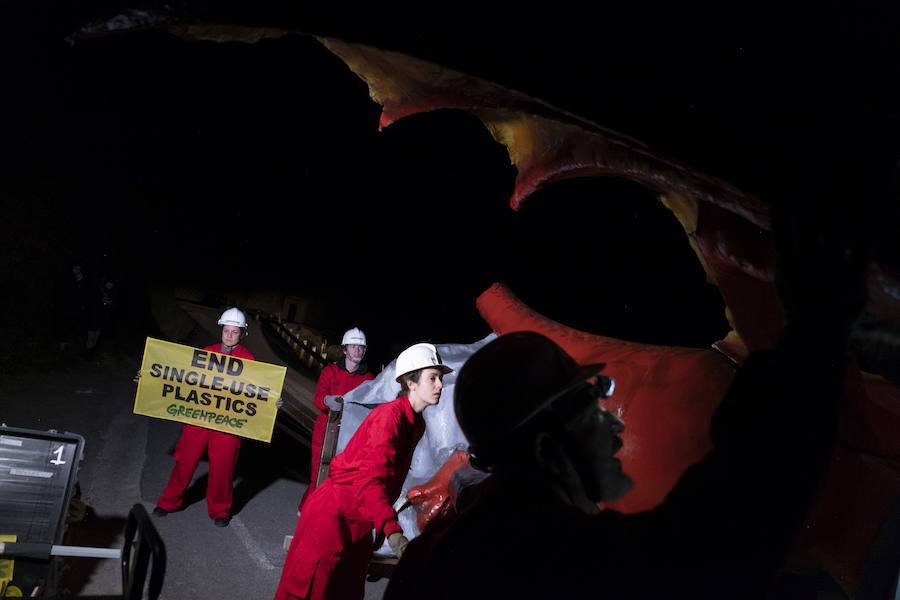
(209, 389)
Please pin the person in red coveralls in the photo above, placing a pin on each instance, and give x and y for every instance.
(332, 544)
(223, 448)
(335, 380)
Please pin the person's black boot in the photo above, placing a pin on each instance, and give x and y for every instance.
(221, 521)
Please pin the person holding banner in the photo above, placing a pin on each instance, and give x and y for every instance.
(222, 448)
(336, 379)
(333, 542)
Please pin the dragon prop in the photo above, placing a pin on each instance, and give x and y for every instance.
(671, 392)
(666, 395)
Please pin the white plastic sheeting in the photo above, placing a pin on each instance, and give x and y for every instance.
(442, 433)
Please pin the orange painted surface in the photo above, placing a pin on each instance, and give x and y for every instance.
(433, 499)
(665, 395)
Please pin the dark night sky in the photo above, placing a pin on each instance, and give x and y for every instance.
(228, 166)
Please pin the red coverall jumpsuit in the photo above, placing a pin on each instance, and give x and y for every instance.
(223, 449)
(332, 544)
(334, 380)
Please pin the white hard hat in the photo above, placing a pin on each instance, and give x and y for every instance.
(419, 356)
(354, 336)
(233, 316)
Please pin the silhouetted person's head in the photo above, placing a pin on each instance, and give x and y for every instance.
(529, 411)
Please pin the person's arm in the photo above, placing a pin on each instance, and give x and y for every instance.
(384, 444)
(783, 406)
(733, 515)
(324, 386)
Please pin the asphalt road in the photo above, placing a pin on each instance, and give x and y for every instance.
(128, 459)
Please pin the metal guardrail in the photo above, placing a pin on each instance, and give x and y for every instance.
(313, 355)
(310, 347)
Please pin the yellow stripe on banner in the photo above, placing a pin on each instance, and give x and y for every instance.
(209, 389)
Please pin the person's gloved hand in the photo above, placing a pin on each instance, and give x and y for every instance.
(398, 542)
(137, 377)
(279, 403)
(334, 402)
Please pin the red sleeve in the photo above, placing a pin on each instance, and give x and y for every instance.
(242, 352)
(326, 383)
(376, 469)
